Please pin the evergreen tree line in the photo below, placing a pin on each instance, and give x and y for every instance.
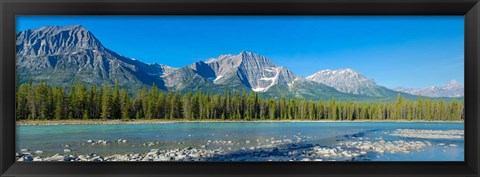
(43, 102)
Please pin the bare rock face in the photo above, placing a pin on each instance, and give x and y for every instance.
(64, 55)
(183, 79)
(255, 71)
(345, 80)
(224, 66)
(451, 89)
(203, 69)
(56, 40)
(247, 69)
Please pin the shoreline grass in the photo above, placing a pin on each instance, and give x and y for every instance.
(160, 121)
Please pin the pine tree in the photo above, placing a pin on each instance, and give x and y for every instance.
(94, 103)
(125, 103)
(22, 111)
(59, 94)
(151, 102)
(106, 102)
(115, 102)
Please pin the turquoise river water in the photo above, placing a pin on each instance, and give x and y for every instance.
(236, 136)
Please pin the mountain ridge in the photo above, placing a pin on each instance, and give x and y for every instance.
(451, 89)
(63, 55)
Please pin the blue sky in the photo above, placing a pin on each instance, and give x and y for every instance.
(409, 51)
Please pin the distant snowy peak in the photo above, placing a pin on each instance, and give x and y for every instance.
(347, 73)
(344, 80)
(453, 84)
(451, 89)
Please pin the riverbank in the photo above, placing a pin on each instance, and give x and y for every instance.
(160, 121)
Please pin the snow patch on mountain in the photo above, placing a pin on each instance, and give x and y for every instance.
(218, 77)
(272, 80)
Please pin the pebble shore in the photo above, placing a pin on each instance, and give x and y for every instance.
(429, 134)
(345, 151)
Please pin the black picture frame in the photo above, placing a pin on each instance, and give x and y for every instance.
(11, 8)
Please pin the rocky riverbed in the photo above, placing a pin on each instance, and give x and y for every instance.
(294, 148)
(351, 150)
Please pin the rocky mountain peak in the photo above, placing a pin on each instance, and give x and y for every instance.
(246, 54)
(237, 59)
(453, 84)
(340, 75)
(256, 71)
(249, 58)
(345, 80)
(57, 29)
(56, 40)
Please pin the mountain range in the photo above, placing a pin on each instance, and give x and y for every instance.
(63, 55)
(451, 89)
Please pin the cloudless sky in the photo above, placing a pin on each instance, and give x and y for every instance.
(408, 51)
